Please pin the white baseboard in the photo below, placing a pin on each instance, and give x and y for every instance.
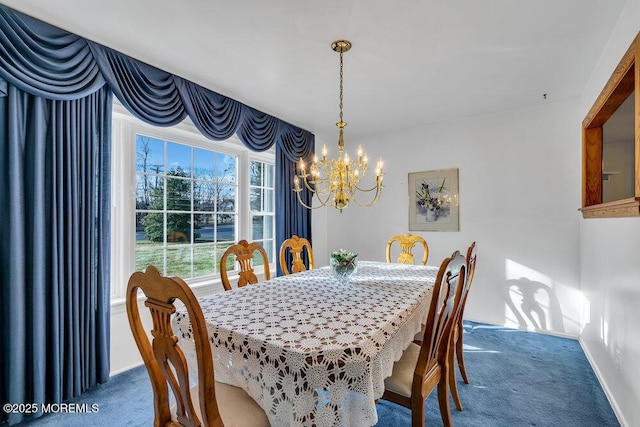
(538, 331)
(121, 370)
(605, 387)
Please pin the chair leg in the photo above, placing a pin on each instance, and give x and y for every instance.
(417, 412)
(460, 355)
(443, 401)
(451, 377)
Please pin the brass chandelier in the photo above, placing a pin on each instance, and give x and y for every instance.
(336, 181)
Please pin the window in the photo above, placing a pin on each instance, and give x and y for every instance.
(185, 207)
(180, 200)
(611, 145)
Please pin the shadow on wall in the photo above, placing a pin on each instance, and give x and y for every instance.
(533, 305)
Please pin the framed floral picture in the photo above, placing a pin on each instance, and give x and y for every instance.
(433, 200)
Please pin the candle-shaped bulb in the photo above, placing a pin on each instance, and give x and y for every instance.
(359, 151)
(324, 151)
(347, 160)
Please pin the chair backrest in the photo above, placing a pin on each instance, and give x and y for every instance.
(442, 309)
(163, 357)
(295, 246)
(407, 241)
(244, 252)
(470, 264)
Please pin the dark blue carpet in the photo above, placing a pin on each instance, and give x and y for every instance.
(517, 378)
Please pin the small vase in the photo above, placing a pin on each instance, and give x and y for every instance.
(431, 215)
(343, 270)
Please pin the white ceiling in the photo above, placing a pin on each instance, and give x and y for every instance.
(412, 63)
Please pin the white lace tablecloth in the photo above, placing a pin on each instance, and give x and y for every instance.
(310, 349)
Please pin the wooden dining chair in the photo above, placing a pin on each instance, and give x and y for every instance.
(424, 367)
(407, 242)
(208, 403)
(457, 333)
(295, 246)
(244, 253)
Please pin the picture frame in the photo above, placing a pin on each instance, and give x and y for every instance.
(433, 200)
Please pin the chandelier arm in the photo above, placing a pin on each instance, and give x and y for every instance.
(318, 186)
(306, 184)
(371, 203)
(322, 190)
(322, 204)
(378, 187)
(303, 203)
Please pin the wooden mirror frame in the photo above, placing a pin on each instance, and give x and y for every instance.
(624, 80)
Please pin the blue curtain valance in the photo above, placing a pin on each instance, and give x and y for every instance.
(46, 61)
(295, 143)
(214, 115)
(148, 92)
(163, 99)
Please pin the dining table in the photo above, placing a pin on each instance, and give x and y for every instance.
(310, 348)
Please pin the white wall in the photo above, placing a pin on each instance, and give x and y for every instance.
(610, 256)
(610, 251)
(519, 194)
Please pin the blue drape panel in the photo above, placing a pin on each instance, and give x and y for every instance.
(55, 121)
(292, 218)
(54, 254)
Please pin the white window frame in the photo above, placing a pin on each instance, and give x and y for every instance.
(253, 213)
(123, 192)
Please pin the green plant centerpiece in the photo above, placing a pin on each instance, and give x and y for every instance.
(343, 264)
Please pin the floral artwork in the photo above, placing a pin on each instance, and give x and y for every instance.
(433, 199)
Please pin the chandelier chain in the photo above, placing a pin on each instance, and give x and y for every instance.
(341, 120)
